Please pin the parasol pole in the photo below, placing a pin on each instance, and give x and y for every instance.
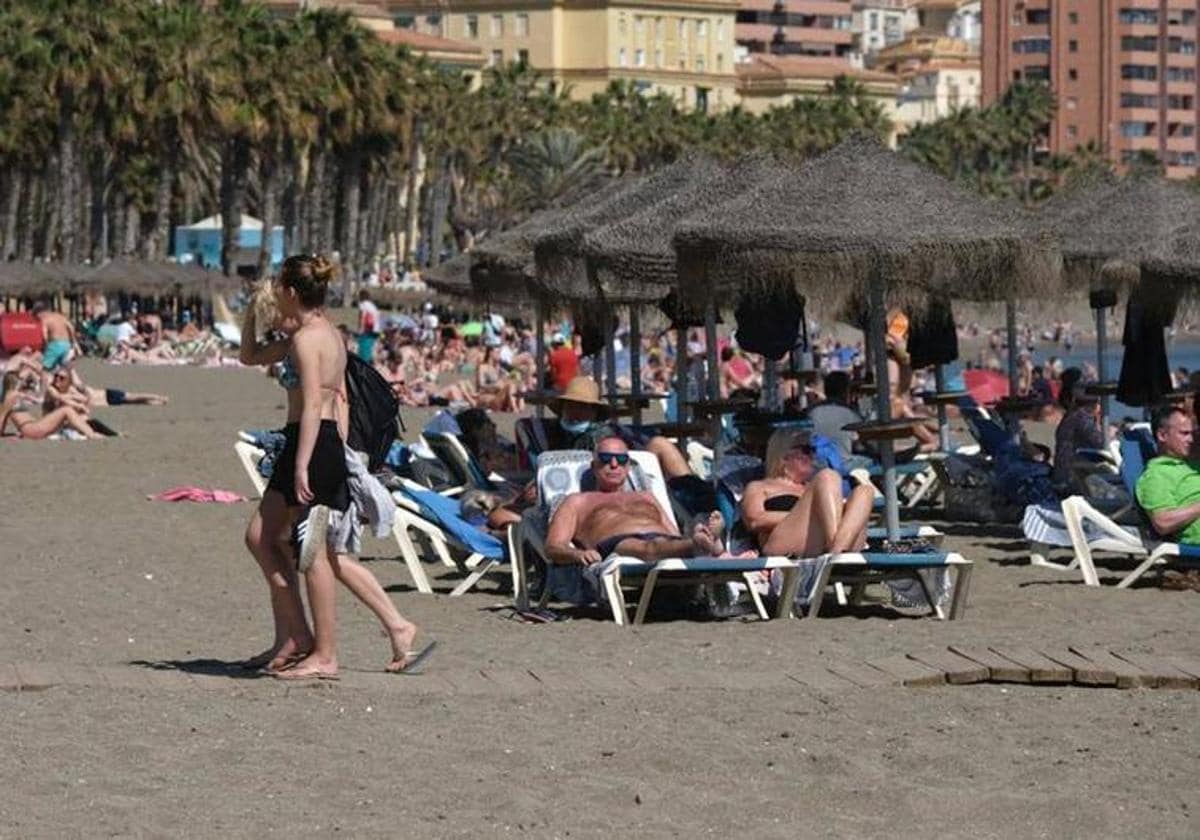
(610, 357)
(876, 328)
(939, 380)
(1101, 372)
(714, 378)
(770, 385)
(635, 362)
(681, 374)
(539, 352)
(1010, 323)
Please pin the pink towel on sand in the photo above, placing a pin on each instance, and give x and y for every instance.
(197, 494)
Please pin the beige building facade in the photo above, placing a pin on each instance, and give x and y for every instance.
(683, 48)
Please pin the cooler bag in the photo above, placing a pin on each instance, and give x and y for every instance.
(19, 330)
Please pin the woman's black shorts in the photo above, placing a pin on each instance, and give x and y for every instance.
(326, 468)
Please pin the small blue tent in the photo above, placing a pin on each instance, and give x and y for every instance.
(201, 242)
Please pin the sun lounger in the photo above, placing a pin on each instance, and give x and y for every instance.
(435, 519)
(1092, 530)
(561, 474)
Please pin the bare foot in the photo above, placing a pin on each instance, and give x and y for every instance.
(402, 638)
(705, 539)
(309, 668)
(287, 655)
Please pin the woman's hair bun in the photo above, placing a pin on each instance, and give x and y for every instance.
(323, 269)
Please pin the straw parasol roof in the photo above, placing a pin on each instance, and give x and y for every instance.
(1111, 229)
(452, 277)
(861, 212)
(562, 269)
(33, 279)
(632, 260)
(144, 277)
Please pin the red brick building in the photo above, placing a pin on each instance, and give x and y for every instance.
(1124, 71)
(795, 27)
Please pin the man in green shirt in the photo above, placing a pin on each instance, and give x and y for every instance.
(1169, 489)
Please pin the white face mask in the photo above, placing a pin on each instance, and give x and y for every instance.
(574, 427)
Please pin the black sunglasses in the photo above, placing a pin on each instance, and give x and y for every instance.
(613, 459)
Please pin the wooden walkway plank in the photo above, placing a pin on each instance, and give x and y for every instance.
(999, 668)
(1041, 669)
(1085, 672)
(1127, 674)
(816, 676)
(958, 669)
(909, 671)
(861, 674)
(1186, 664)
(1165, 674)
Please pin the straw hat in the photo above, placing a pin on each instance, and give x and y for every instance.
(582, 390)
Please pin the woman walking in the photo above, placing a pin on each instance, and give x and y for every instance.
(311, 473)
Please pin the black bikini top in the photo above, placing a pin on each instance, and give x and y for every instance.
(781, 503)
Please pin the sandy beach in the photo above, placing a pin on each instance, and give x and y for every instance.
(572, 729)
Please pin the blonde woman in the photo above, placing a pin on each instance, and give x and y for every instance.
(798, 509)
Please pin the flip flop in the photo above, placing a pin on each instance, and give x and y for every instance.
(304, 674)
(414, 663)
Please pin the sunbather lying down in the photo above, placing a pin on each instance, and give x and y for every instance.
(588, 527)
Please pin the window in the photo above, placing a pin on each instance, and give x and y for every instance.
(497, 28)
(720, 35)
(701, 29)
(1139, 43)
(1137, 129)
(1139, 100)
(720, 62)
(497, 58)
(1072, 131)
(471, 27)
(1037, 17)
(1072, 103)
(1039, 73)
(639, 25)
(1181, 74)
(523, 57)
(1181, 130)
(1025, 46)
(639, 58)
(1072, 18)
(1143, 72)
(659, 29)
(521, 26)
(622, 59)
(1137, 16)
(699, 64)
(873, 20)
(1181, 158)
(1072, 74)
(622, 24)
(1072, 45)
(1181, 102)
(683, 29)
(1181, 46)
(658, 57)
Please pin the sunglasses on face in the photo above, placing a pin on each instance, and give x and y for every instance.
(613, 459)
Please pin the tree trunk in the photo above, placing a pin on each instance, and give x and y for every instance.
(68, 197)
(158, 242)
(288, 210)
(441, 206)
(314, 199)
(17, 183)
(235, 160)
(269, 187)
(50, 214)
(412, 186)
(351, 196)
(29, 215)
(97, 198)
(133, 229)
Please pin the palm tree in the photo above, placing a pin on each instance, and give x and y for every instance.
(551, 164)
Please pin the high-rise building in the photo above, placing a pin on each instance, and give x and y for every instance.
(1124, 72)
(795, 27)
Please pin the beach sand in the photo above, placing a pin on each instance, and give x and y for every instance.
(573, 729)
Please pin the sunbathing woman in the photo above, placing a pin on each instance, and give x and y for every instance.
(17, 409)
(310, 471)
(798, 510)
(66, 387)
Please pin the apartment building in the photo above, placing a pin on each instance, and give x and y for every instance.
(796, 27)
(881, 23)
(684, 48)
(1124, 71)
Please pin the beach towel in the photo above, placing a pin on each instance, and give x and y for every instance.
(197, 494)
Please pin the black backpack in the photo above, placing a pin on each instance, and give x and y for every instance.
(374, 412)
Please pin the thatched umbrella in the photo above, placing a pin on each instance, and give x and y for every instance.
(1116, 233)
(452, 277)
(863, 220)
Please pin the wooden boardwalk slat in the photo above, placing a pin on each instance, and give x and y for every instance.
(999, 668)
(816, 676)
(1166, 675)
(909, 671)
(1127, 674)
(1084, 671)
(958, 669)
(1185, 663)
(861, 674)
(37, 676)
(1041, 669)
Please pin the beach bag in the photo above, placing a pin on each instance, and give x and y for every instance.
(374, 412)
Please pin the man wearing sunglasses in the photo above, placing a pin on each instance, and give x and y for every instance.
(612, 519)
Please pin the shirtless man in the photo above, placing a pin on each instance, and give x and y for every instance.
(59, 334)
(587, 527)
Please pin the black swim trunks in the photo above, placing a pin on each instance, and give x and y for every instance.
(327, 472)
(609, 545)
